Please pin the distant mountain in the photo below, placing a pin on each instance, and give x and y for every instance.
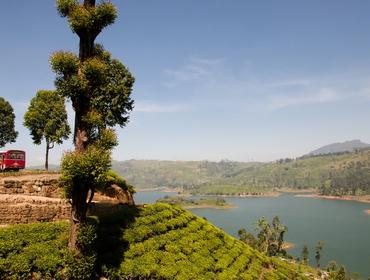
(348, 146)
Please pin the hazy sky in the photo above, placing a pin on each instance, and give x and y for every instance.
(242, 80)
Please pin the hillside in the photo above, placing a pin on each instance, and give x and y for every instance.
(350, 170)
(347, 146)
(168, 242)
(156, 242)
(235, 178)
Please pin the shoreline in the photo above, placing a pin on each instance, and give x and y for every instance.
(367, 211)
(270, 194)
(364, 199)
(160, 189)
(180, 192)
(209, 206)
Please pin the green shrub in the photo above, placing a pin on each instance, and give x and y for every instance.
(39, 251)
(167, 242)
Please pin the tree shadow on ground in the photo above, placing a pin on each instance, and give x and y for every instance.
(111, 246)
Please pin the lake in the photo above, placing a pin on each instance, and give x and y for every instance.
(342, 225)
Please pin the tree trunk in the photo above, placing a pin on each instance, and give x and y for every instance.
(78, 213)
(47, 155)
(81, 139)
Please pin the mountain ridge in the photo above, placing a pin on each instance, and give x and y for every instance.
(340, 147)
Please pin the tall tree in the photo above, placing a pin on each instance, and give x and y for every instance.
(7, 117)
(46, 118)
(319, 247)
(305, 254)
(99, 88)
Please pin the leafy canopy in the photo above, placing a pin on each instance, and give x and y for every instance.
(106, 81)
(87, 19)
(7, 117)
(46, 118)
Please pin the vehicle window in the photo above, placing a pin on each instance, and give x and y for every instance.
(1, 157)
(20, 156)
(12, 156)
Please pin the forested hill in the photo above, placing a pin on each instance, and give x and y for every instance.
(227, 177)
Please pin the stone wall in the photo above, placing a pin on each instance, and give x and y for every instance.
(36, 198)
(27, 209)
(45, 185)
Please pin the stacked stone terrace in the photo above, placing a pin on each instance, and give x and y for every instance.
(38, 197)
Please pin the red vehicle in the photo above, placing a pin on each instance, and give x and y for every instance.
(12, 160)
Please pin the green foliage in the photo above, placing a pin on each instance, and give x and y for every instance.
(34, 250)
(81, 265)
(166, 242)
(237, 178)
(248, 238)
(39, 251)
(156, 242)
(318, 249)
(270, 238)
(189, 202)
(107, 81)
(305, 254)
(46, 118)
(89, 168)
(7, 117)
(106, 139)
(64, 63)
(65, 7)
(354, 179)
(82, 18)
(114, 178)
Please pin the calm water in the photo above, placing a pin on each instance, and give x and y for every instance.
(342, 225)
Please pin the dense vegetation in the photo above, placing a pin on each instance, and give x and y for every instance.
(354, 179)
(237, 178)
(167, 242)
(7, 128)
(270, 237)
(193, 203)
(39, 251)
(159, 241)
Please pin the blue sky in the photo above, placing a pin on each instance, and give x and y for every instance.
(242, 80)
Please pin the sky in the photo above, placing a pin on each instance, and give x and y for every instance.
(215, 79)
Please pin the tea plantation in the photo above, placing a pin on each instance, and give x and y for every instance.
(158, 241)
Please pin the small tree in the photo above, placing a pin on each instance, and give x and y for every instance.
(7, 117)
(305, 254)
(46, 118)
(270, 238)
(319, 247)
(247, 238)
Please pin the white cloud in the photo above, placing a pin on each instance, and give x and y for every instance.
(323, 95)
